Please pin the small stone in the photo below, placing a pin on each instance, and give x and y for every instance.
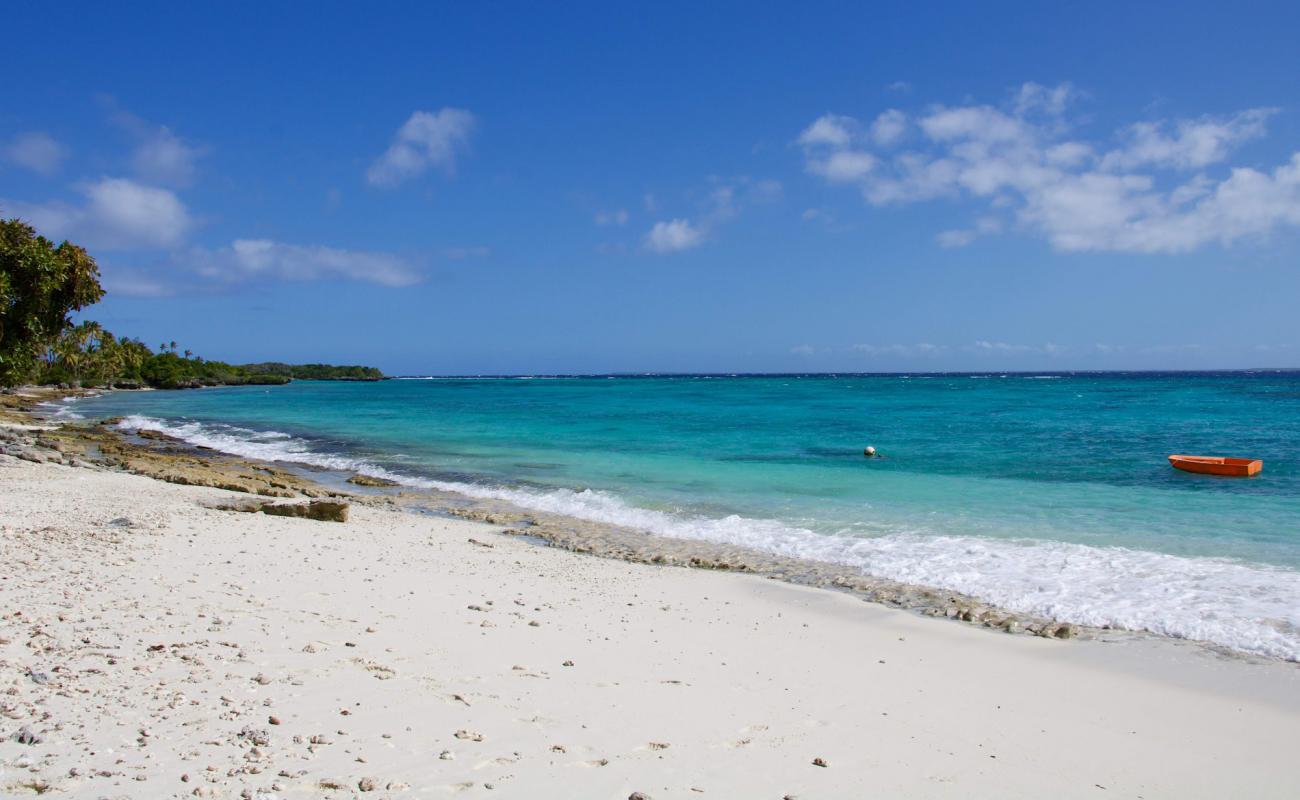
(820, 762)
(273, 720)
(639, 796)
(367, 784)
(472, 736)
(567, 664)
(26, 736)
(447, 755)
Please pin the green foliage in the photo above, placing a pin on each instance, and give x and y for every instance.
(317, 372)
(40, 286)
(170, 371)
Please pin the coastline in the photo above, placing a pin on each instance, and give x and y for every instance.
(156, 454)
(163, 636)
(160, 647)
(165, 457)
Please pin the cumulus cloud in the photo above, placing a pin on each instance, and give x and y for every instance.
(118, 214)
(889, 127)
(263, 259)
(674, 236)
(427, 139)
(1018, 162)
(1186, 144)
(722, 202)
(160, 156)
(36, 151)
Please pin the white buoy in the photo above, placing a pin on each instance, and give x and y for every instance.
(869, 451)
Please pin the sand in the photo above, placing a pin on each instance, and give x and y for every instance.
(151, 646)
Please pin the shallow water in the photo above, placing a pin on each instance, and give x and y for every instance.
(1047, 494)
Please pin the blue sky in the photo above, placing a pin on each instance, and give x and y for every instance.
(687, 187)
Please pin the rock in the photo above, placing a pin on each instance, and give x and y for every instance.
(470, 735)
(26, 736)
(1065, 630)
(367, 784)
(820, 762)
(639, 796)
(157, 436)
(447, 755)
(321, 510)
(367, 480)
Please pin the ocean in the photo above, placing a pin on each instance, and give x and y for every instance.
(1047, 494)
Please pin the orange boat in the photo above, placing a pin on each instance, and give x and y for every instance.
(1213, 465)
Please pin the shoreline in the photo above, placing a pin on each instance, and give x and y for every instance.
(157, 455)
(158, 646)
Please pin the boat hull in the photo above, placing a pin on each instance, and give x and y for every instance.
(1214, 465)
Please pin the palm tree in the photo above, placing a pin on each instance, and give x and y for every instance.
(189, 353)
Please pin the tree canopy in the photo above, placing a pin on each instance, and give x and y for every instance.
(41, 284)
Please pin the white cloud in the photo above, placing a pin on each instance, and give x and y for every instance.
(844, 166)
(1021, 165)
(723, 201)
(984, 347)
(163, 157)
(133, 282)
(674, 236)
(36, 151)
(427, 139)
(616, 217)
(830, 129)
(262, 259)
(1051, 100)
(889, 127)
(160, 156)
(805, 350)
(1194, 143)
(119, 214)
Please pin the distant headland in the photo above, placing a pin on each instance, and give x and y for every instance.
(42, 284)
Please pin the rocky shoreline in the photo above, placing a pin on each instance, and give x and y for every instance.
(163, 457)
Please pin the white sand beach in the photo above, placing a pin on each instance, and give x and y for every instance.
(153, 647)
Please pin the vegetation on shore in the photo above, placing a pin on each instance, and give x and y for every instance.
(42, 284)
(315, 372)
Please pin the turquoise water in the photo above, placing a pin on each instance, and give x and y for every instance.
(1047, 494)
